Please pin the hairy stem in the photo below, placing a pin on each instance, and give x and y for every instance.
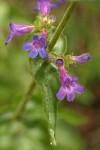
(62, 25)
(26, 98)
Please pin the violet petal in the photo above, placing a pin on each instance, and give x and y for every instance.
(70, 96)
(27, 46)
(33, 54)
(78, 89)
(43, 53)
(75, 79)
(9, 39)
(61, 93)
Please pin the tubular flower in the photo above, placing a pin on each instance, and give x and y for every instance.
(37, 46)
(18, 30)
(44, 7)
(82, 58)
(69, 85)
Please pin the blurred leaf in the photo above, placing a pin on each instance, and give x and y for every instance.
(68, 137)
(45, 75)
(22, 137)
(4, 10)
(71, 117)
(86, 98)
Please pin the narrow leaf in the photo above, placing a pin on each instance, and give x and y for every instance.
(46, 76)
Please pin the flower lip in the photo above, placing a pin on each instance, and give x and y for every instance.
(37, 44)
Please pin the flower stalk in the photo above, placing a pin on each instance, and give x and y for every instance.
(61, 25)
(26, 98)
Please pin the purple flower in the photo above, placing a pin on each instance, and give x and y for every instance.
(44, 7)
(18, 30)
(69, 85)
(37, 46)
(82, 58)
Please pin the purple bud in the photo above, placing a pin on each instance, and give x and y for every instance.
(82, 58)
(18, 30)
(43, 7)
(59, 62)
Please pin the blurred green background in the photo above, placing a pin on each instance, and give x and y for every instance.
(78, 123)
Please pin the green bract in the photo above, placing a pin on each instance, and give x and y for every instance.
(60, 47)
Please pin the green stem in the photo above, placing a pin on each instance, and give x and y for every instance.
(62, 25)
(26, 98)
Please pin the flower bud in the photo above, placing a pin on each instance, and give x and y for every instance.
(82, 58)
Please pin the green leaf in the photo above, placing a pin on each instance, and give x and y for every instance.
(46, 76)
(60, 47)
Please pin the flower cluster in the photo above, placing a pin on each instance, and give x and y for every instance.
(69, 85)
(41, 31)
(38, 44)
